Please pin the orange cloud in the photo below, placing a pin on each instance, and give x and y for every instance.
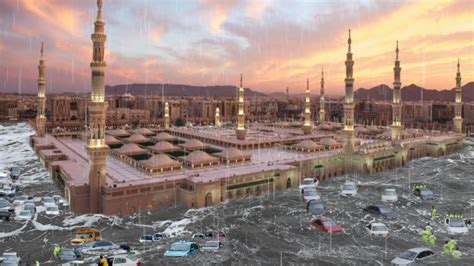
(218, 11)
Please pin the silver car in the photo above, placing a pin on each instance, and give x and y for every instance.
(101, 245)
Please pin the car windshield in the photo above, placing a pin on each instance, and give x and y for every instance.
(426, 192)
(408, 255)
(179, 247)
(25, 213)
(348, 187)
(147, 237)
(308, 182)
(316, 206)
(83, 235)
(22, 198)
(311, 193)
(211, 244)
(456, 223)
(67, 252)
(385, 210)
(379, 228)
(48, 200)
(329, 223)
(50, 209)
(389, 193)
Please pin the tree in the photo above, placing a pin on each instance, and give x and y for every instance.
(179, 122)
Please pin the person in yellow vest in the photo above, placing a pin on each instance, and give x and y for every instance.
(432, 240)
(456, 254)
(103, 261)
(424, 235)
(428, 229)
(452, 244)
(446, 248)
(37, 263)
(56, 250)
(433, 213)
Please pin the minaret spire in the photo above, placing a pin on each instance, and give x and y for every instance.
(349, 102)
(241, 131)
(458, 102)
(307, 125)
(41, 100)
(397, 126)
(96, 146)
(322, 112)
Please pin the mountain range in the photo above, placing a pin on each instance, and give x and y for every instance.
(414, 92)
(179, 90)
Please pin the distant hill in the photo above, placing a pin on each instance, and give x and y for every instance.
(179, 90)
(414, 92)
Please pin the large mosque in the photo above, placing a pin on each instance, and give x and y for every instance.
(124, 171)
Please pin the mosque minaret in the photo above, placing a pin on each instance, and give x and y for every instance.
(396, 103)
(166, 120)
(217, 118)
(96, 147)
(40, 114)
(241, 131)
(349, 102)
(307, 125)
(458, 103)
(322, 112)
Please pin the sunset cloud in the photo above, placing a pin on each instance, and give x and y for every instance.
(274, 43)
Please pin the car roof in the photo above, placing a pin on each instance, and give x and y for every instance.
(183, 242)
(378, 224)
(311, 179)
(419, 249)
(390, 189)
(380, 205)
(349, 182)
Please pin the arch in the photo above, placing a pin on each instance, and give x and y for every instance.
(208, 200)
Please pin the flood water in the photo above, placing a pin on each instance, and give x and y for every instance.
(271, 229)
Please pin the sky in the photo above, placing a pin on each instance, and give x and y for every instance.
(273, 43)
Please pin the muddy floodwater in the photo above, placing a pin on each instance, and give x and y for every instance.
(271, 229)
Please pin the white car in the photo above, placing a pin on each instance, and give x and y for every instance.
(456, 226)
(311, 194)
(151, 238)
(48, 201)
(308, 183)
(20, 200)
(125, 260)
(10, 258)
(25, 215)
(8, 190)
(413, 255)
(212, 245)
(349, 189)
(52, 210)
(389, 195)
(377, 229)
(4, 178)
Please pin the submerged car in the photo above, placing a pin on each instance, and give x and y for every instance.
(212, 245)
(377, 229)
(382, 210)
(101, 245)
(389, 195)
(326, 224)
(182, 248)
(24, 215)
(424, 193)
(6, 205)
(29, 206)
(349, 188)
(308, 183)
(315, 207)
(456, 226)
(52, 210)
(10, 259)
(21, 199)
(414, 255)
(150, 238)
(5, 215)
(311, 195)
(68, 254)
(124, 260)
(48, 201)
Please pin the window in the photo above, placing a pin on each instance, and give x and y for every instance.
(120, 260)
